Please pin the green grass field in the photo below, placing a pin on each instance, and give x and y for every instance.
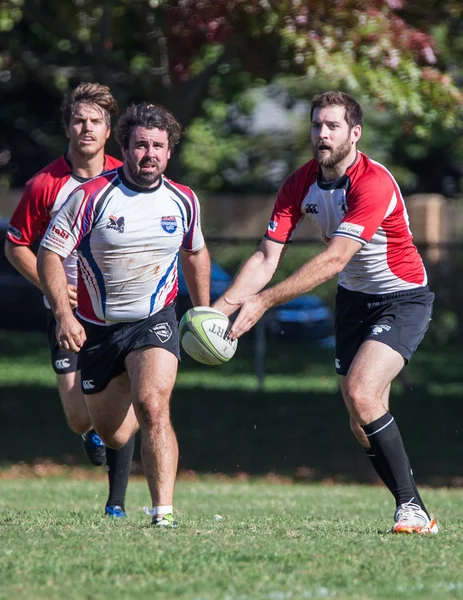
(282, 535)
(273, 542)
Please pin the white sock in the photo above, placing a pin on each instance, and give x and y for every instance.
(162, 510)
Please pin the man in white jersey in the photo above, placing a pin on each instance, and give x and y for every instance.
(87, 112)
(383, 304)
(129, 226)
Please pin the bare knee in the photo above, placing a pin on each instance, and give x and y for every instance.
(153, 410)
(362, 402)
(78, 425)
(76, 414)
(114, 439)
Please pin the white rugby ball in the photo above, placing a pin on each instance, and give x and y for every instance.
(203, 335)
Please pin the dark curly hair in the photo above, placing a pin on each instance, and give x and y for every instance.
(90, 93)
(354, 113)
(149, 116)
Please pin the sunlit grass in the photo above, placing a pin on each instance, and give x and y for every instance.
(249, 540)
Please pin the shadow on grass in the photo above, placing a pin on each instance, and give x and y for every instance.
(303, 435)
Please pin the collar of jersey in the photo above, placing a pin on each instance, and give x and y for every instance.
(133, 186)
(332, 185)
(79, 178)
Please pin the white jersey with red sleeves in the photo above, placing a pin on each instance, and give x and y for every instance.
(127, 240)
(43, 196)
(364, 205)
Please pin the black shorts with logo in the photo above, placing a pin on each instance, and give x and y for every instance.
(102, 357)
(397, 319)
(62, 361)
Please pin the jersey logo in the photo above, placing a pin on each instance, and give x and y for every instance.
(163, 332)
(343, 204)
(116, 223)
(272, 225)
(62, 234)
(377, 329)
(351, 228)
(311, 209)
(169, 224)
(14, 232)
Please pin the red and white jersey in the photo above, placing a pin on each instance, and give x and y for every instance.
(43, 196)
(127, 239)
(364, 205)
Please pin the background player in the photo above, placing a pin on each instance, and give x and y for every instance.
(383, 304)
(87, 113)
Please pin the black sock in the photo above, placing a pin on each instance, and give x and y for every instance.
(387, 445)
(380, 469)
(119, 463)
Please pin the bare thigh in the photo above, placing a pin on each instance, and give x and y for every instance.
(369, 379)
(153, 372)
(112, 412)
(73, 401)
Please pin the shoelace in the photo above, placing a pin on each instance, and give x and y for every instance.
(407, 511)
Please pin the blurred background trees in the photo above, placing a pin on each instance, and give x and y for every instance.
(239, 75)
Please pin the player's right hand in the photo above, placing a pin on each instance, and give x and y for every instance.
(72, 293)
(70, 334)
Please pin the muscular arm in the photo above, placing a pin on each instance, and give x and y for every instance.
(24, 261)
(69, 333)
(196, 268)
(254, 275)
(319, 269)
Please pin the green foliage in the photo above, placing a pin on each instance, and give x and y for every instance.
(173, 52)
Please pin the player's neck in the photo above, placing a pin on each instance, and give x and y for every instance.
(86, 166)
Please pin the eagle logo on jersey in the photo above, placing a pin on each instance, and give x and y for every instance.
(116, 223)
(169, 224)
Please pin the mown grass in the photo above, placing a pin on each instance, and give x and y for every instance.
(272, 542)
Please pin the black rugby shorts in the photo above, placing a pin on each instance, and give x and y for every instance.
(102, 357)
(398, 319)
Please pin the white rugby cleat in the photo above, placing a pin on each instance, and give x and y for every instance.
(411, 518)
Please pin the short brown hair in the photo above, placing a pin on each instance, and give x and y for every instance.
(354, 113)
(149, 116)
(90, 93)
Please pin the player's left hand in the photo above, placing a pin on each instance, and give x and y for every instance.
(252, 308)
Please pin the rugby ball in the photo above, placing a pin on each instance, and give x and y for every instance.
(204, 335)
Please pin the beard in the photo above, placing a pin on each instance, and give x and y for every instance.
(334, 157)
(141, 177)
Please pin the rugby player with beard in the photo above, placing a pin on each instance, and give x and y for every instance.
(129, 226)
(383, 303)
